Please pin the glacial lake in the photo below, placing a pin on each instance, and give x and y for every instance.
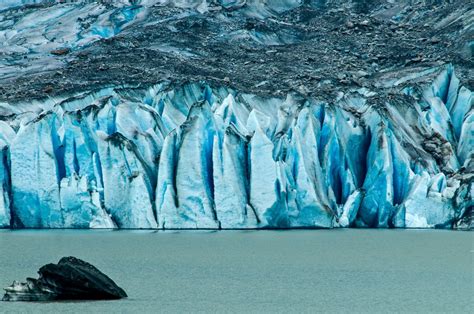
(256, 271)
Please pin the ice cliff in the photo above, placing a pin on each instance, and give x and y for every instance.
(201, 156)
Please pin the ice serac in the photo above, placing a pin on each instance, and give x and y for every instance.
(429, 203)
(377, 205)
(231, 166)
(81, 182)
(126, 187)
(313, 207)
(264, 184)
(35, 174)
(6, 133)
(166, 198)
(194, 168)
(196, 156)
(5, 215)
(466, 139)
(349, 211)
(231, 182)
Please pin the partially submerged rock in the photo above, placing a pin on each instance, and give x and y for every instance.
(70, 279)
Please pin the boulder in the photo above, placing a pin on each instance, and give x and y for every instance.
(69, 279)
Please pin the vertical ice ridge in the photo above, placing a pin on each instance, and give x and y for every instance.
(310, 186)
(376, 208)
(450, 105)
(194, 176)
(264, 184)
(231, 194)
(5, 187)
(6, 135)
(166, 190)
(126, 195)
(34, 176)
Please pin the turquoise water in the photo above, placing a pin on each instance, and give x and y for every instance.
(256, 271)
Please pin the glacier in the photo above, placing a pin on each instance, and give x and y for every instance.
(203, 156)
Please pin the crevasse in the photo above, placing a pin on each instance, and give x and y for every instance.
(202, 157)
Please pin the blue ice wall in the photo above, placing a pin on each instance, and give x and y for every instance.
(202, 157)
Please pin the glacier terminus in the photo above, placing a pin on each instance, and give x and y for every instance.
(202, 157)
(195, 140)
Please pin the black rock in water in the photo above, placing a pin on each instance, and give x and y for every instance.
(70, 279)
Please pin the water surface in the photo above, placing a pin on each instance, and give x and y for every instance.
(256, 271)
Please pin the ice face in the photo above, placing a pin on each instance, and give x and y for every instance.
(201, 157)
